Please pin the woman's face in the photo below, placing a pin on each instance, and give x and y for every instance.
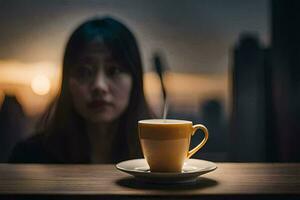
(100, 86)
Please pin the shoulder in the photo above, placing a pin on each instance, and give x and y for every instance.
(30, 150)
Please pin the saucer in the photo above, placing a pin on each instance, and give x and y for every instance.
(192, 168)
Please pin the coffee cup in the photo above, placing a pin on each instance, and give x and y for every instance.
(165, 143)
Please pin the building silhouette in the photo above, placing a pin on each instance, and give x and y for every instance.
(286, 78)
(213, 117)
(266, 91)
(248, 120)
(12, 123)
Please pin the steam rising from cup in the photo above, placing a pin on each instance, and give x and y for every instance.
(160, 69)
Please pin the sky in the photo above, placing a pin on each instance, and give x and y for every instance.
(194, 36)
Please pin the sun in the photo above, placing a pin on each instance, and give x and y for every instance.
(40, 85)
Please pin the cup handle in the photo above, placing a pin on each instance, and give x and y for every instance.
(202, 143)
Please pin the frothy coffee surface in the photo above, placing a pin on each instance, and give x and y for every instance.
(164, 121)
(164, 129)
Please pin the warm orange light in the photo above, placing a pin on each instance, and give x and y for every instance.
(186, 92)
(36, 84)
(40, 85)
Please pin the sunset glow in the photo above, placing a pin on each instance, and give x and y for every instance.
(40, 85)
(35, 85)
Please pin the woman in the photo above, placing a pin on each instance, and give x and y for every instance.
(101, 100)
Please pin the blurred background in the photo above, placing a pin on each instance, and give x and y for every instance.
(232, 65)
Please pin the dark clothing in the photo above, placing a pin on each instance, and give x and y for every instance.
(31, 150)
(39, 149)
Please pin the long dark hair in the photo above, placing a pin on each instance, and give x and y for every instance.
(66, 138)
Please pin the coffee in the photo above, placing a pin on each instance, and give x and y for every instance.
(165, 143)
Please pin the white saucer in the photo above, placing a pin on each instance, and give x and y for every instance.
(192, 168)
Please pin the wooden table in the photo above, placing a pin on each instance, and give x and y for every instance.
(230, 180)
